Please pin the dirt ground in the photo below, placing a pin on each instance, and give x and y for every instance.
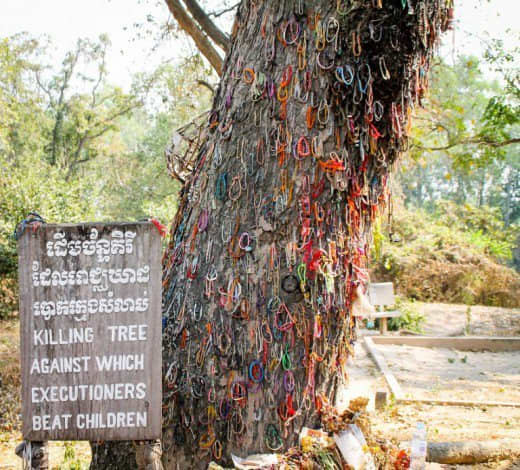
(448, 374)
(433, 373)
(459, 375)
(422, 374)
(477, 320)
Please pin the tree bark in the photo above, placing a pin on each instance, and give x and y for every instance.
(270, 241)
(148, 455)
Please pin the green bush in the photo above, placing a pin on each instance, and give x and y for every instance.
(410, 318)
(458, 254)
(482, 227)
(70, 461)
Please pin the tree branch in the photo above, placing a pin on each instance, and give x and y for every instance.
(216, 14)
(207, 25)
(474, 140)
(110, 118)
(102, 71)
(190, 27)
(206, 84)
(94, 133)
(76, 158)
(43, 88)
(67, 74)
(503, 143)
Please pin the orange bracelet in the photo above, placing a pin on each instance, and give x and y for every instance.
(287, 76)
(282, 94)
(249, 76)
(311, 117)
(283, 110)
(332, 165)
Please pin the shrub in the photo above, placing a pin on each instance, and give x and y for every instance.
(410, 318)
(455, 255)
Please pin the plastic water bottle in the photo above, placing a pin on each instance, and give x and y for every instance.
(418, 457)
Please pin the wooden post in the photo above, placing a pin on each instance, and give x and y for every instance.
(381, 399)
(148, 455)
(383, 325)
(34, 453)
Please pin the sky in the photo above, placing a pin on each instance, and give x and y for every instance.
(67, 20)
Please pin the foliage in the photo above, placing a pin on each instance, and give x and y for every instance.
(32, 184)
(451, 255)
(10, 377)
(503, 109)
(81, 106)
(465, 141)
(21, 108)
(70, 461)
(411, 319)
(8, 296)
(119, 172)
(138, 169)
(482, 227)
(453, 113)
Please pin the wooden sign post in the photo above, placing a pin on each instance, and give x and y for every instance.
(90, 314)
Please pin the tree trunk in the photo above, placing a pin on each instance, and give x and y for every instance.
(460, 196)
(482, 188)
(472, 452)
(270, 241)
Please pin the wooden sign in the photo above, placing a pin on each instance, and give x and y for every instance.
(90, 313)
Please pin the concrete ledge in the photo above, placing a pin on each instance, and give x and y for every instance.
(461, 343)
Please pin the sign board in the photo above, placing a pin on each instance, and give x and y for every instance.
(90, 327)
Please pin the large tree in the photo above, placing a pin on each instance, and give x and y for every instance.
(268, 250)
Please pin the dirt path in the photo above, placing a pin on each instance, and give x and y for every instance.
(454, 320)
(428, 374)
(450, 374)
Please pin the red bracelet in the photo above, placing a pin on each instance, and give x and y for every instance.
(304, 149)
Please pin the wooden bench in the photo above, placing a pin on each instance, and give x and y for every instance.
(381, 294)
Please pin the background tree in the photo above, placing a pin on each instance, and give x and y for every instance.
(20, 107)
(465, 141)
(134, 173)
(123, 177)
(80, 105)
(269, 244)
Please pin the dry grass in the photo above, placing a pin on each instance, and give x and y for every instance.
(434, 259)
(454, 279)
(9, 376)
(8, 296)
